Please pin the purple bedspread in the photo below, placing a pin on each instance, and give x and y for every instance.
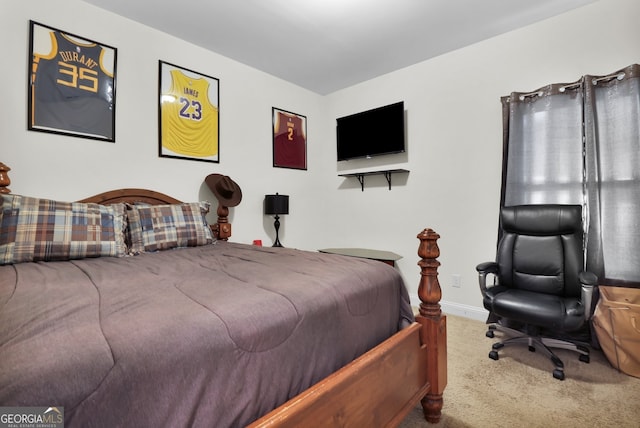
(211, 336)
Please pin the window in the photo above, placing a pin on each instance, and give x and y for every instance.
(579, 143)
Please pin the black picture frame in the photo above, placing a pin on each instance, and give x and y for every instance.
(188, 114)
(71, 84)
(289, 139)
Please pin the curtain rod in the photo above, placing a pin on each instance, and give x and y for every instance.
(531, 94)
(632, 71)
(571, 86)
(617, 75)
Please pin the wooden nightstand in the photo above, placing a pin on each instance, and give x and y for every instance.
(382, 256)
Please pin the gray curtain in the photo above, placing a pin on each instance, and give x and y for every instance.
(612, 144)
(544, 163)
(579, 143)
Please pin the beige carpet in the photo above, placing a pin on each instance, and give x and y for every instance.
(519, 390)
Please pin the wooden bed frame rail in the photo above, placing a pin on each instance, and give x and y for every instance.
(377, 389)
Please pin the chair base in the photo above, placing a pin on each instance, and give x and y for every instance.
(536, 342)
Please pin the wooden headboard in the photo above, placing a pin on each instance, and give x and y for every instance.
(131, 196)
(221, 229)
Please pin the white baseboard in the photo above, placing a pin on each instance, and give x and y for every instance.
(466, 311)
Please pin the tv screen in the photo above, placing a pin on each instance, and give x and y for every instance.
(373, 132)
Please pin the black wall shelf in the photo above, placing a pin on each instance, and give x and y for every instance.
(387, 174)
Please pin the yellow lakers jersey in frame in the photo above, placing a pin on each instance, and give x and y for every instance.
(189, 121)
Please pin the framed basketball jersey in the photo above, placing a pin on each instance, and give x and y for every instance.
(289, 139)
(188, 114)
(72, 84)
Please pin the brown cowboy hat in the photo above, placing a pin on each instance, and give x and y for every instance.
(225, 189)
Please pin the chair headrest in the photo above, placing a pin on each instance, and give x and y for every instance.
(545, 219)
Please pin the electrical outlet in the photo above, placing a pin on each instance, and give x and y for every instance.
(456, 280)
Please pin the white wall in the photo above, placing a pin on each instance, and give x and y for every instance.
(454, 137)
(70, 168)
(454, 134)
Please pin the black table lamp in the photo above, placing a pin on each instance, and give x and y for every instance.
(275, 205)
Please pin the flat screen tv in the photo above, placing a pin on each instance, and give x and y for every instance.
(378, 131)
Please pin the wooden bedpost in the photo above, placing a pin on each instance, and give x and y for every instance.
(4, 179)
(434, 324)
(222, 229)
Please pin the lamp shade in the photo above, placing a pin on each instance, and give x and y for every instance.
(276, 204)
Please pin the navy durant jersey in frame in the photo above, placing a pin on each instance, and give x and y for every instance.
(71, 90)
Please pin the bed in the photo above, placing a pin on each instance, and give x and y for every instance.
(212, 332)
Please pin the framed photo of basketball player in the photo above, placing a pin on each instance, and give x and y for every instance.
(289, 139)
(189, 113)
(72, 84)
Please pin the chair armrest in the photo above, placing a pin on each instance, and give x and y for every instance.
(485, 269)
(488, 267)
(588, 280)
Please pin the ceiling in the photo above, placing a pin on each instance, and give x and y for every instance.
(327, 45)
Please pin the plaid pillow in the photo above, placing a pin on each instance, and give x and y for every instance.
(34, 229)
(161, 227)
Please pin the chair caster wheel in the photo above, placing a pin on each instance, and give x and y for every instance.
(532, 349)
(494, 355)
(490, 334)
(584, 358)
(558, 374)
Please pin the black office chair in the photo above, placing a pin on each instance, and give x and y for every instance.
(539, 283)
